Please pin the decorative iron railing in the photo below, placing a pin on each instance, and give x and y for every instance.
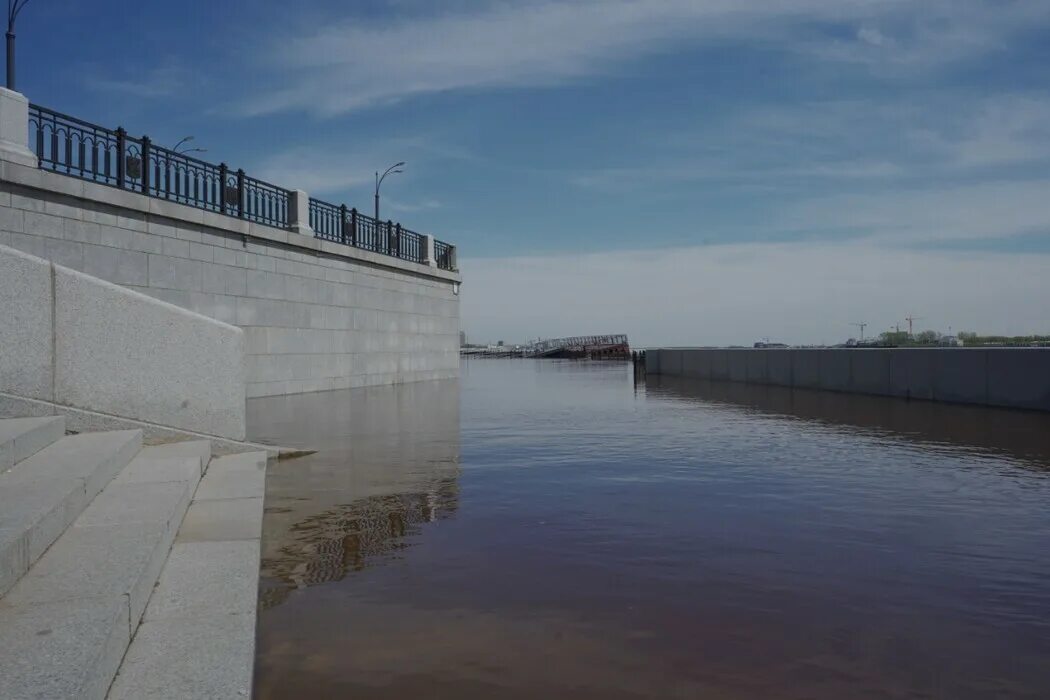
(350, 227)
(445, 255)
(111, 157)
(74, 147)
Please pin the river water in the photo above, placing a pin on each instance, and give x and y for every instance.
(553, 529)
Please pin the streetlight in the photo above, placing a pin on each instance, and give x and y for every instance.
(183, 140)
(379, 181)
(13, 8)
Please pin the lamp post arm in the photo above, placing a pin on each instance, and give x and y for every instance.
(13, 8)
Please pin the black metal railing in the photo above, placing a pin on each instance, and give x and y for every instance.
(350, 227)
(444, 253)
(78, 148)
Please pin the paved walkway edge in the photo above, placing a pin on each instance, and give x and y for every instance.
(197, 637)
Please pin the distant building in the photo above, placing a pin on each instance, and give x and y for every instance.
(462, 339)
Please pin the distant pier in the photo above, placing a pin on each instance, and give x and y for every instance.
(590, 347)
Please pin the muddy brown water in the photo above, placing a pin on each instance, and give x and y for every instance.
(552, 529)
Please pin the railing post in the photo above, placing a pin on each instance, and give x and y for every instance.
(240, 192)
(343, 225)
(353, 227)
(429, 257)
(389, 234)
(122, 158)
(299, 212)
(397, 241)
(14, 129)
(223, 173)
(145, 164)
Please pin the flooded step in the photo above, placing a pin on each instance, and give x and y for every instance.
(66, 625)
(21, 438)
(42, 494)
(197, 638)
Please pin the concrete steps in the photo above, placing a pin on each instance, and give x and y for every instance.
(44, 493)
(197, 638)
(23, 437)
(66, 624)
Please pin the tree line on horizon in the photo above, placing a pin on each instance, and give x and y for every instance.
(965, 338)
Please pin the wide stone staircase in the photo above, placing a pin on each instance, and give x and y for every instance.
(125, 571)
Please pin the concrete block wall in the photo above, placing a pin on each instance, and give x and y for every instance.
(72, 340)
(316, 315)
(1009, 377)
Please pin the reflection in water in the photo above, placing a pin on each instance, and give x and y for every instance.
(1021, 434)
(580, 536)
(387, 463)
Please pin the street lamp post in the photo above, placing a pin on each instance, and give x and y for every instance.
(184, 140)
(13, 8)
(379, 181)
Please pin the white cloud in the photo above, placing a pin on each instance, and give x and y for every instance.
(889, 143)
(350, 63)
(736, 294)
(167, 79)
(351, 164)
(927, 215)
(871, 35)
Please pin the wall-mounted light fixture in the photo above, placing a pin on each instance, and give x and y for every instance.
(455, 288)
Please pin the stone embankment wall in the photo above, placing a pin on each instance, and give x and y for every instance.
(1010, 377)
(75, 341)
(316, 315)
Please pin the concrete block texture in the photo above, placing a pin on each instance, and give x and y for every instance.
(26, 352)
(126, 354)
(274, 279)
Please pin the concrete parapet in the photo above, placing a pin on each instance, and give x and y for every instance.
(1018, 378)
(114, 351)
(14, 128)
(1008, 377)
(26, 345)
(961, 376)
(870, 371)
(834, 370)
(806, 368)
(780, 368)
(757, 362)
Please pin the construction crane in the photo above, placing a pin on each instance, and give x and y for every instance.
(910, 319)
(862, 326)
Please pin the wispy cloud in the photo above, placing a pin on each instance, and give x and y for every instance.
(353, 63)
(351, 164)
(164, 80)
(861, 142)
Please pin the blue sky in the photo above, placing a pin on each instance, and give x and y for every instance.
(779, 168)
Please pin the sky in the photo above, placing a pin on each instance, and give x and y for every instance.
(688, 172)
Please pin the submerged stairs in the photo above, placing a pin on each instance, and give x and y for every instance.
(125, 571)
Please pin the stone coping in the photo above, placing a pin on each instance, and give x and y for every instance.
(37, 178)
